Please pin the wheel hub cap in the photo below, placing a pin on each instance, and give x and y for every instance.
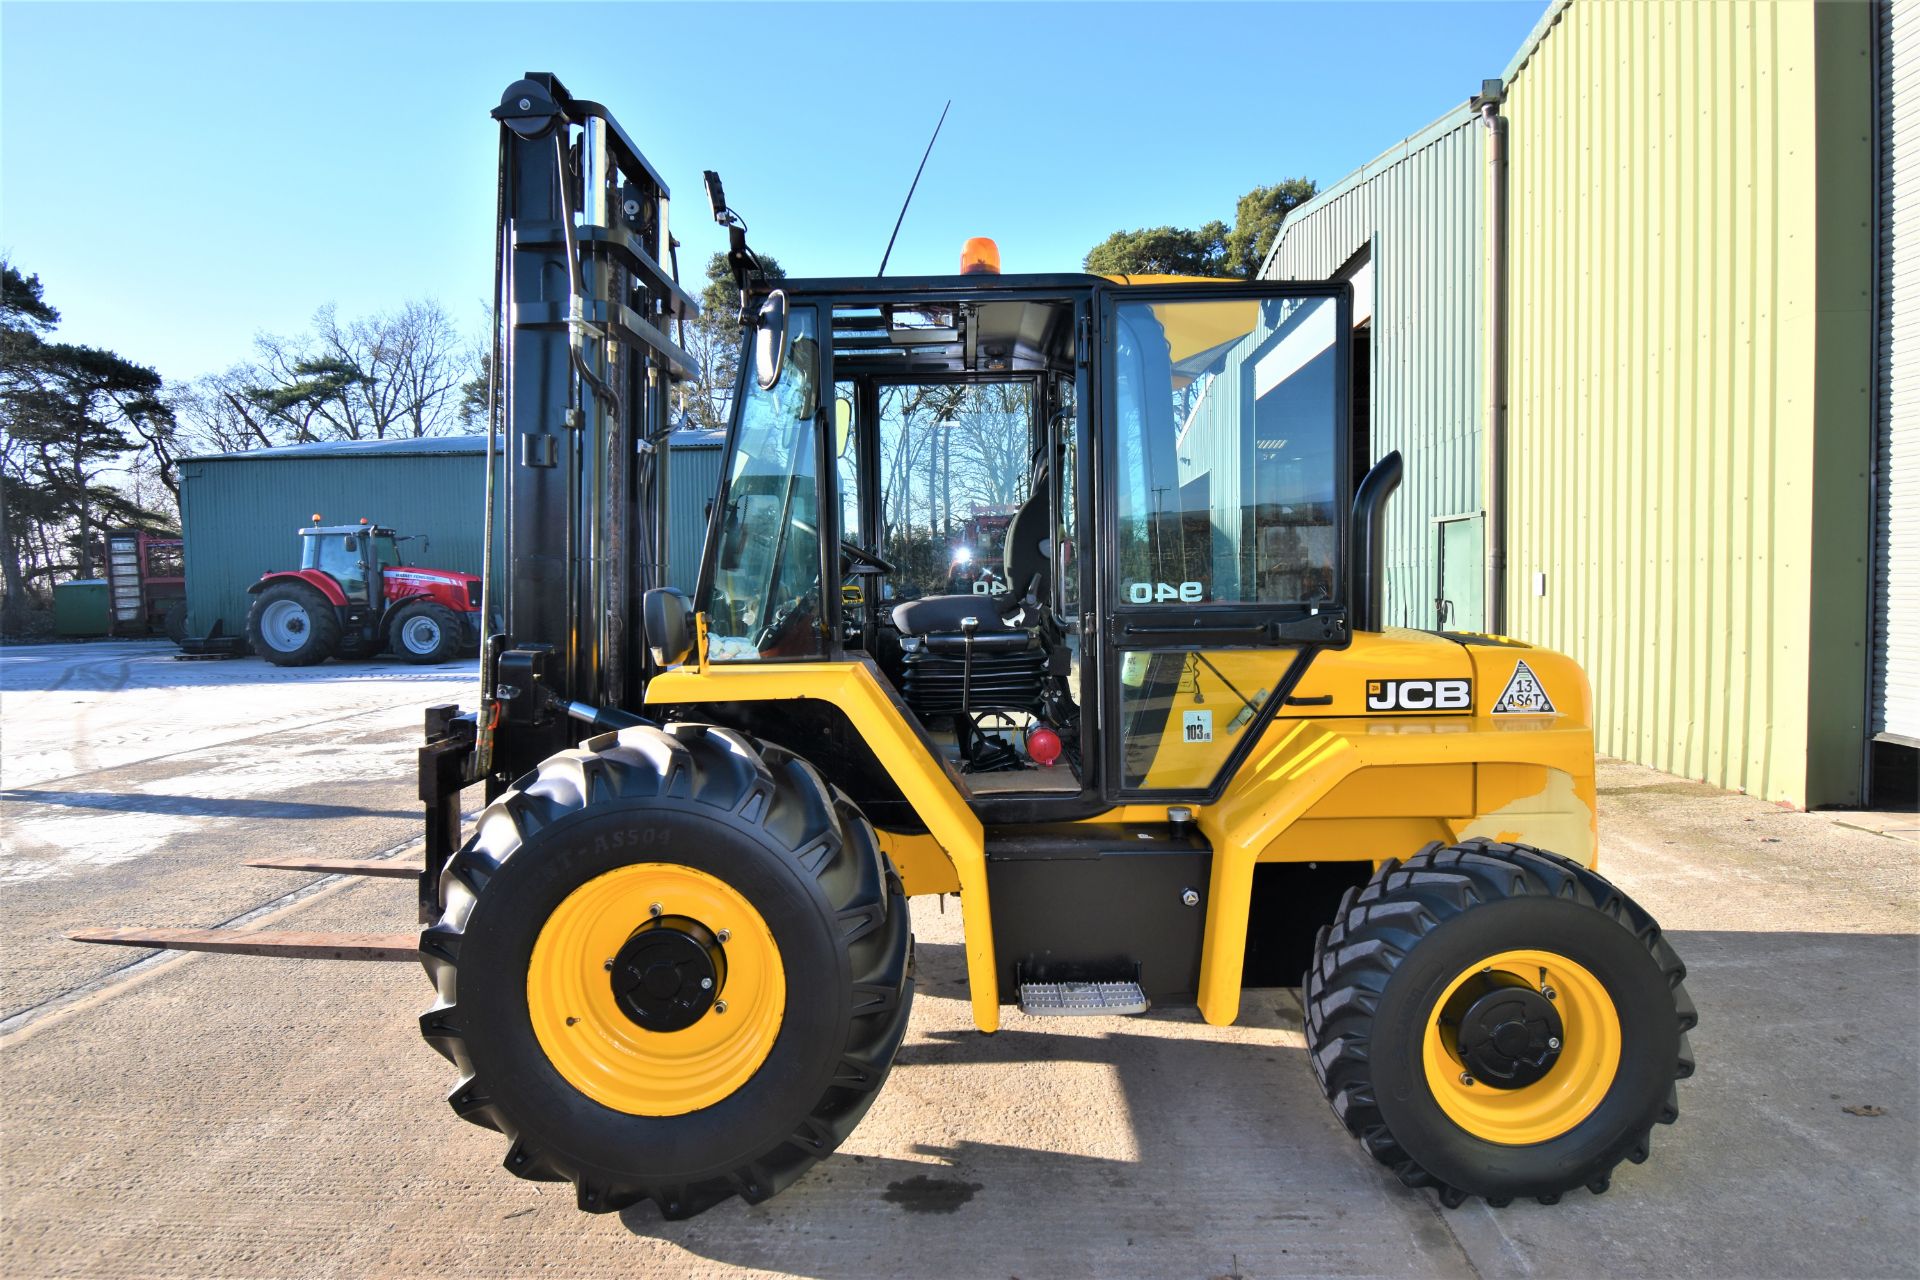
(615, 997)
(669, 973)
(1509, 1034)
(1489, 1053)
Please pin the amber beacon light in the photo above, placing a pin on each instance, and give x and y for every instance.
(980, 257)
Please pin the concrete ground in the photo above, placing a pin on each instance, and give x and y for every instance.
(215, 1116)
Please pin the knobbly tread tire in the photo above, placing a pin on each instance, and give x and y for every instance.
(791, 811)
(1375, 929)
(323, 640)
(450, 632)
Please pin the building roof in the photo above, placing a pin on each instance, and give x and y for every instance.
(1393, 155)
(407, 447)
(697, 438)
(1547, 22)
(423, 446)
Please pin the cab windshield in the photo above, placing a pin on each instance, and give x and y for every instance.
(765, 598)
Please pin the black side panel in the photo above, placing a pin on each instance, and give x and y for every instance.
(1083, 902)
(1292, 902)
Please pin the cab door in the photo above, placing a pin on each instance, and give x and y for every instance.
(1224, 496)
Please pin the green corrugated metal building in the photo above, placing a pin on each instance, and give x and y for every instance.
(1702, 452)
(695, 479)
(239, 511)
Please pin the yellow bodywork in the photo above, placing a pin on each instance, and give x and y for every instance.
(1325, 782)
(597, 1047)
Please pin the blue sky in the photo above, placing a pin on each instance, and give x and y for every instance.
(182, 177)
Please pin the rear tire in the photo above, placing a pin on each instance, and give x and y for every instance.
(1389, 1015)
(680, 816)
(292, 625)
(424, 632)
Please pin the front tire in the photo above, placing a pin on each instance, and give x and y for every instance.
(1493, 1020)
(292, 625)
(424, 632)
(672, 964)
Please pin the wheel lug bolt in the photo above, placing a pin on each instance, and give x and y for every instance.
(725, 934)
(1549, 993)
(654, 910)
(608, 966)
(719, 1006)
(1466, 1079)
(706, 984)
(1553, 1042)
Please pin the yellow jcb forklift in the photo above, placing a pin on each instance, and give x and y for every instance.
(1061, 593)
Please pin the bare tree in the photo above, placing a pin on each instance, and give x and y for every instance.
(401, 373)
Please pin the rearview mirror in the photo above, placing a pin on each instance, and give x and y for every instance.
(667, 617)
(842, 425)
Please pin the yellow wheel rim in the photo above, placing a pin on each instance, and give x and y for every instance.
(1572, 1087)
(603, 1053)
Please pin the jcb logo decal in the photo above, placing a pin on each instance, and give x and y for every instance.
(1419, 695)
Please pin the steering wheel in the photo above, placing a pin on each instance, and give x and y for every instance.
(788, 624)
(860, 555)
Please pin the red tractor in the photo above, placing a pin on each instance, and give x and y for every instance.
(353, 595)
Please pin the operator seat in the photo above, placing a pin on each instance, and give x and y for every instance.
(1029, 571)
(954, 666)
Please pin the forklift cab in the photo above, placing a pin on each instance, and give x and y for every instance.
(1041, 505)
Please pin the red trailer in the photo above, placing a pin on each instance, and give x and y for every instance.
(146, 585)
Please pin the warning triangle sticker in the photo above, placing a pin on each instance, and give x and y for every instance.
(1523, 694)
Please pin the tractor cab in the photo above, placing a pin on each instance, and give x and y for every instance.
(1036, 504)
(354, 556)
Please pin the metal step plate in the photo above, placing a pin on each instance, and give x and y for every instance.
(1081, 999)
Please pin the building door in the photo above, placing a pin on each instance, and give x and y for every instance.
(1895, 706)
(1459, 603)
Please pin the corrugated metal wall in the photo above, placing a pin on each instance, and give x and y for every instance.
(1419, 206)
(695, 479)
(1688, 262)
(239, 514)
(1896, 648)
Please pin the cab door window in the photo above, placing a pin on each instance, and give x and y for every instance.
(1227, 479)
(341, 559)
(955, 466)
(1227, 470)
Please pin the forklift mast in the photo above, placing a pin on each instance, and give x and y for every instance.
(584, 357)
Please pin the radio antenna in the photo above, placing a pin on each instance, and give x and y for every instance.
(910, 190)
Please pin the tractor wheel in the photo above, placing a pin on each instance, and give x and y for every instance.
(292, 625)
(174, 622)
(1493, 1020)
(424, 632)
(672, 964)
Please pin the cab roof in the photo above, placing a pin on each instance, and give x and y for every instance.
(972, 285)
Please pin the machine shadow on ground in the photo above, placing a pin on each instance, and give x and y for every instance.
(1228, 1133)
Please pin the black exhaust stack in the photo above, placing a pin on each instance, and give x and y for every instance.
(1366, 576)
